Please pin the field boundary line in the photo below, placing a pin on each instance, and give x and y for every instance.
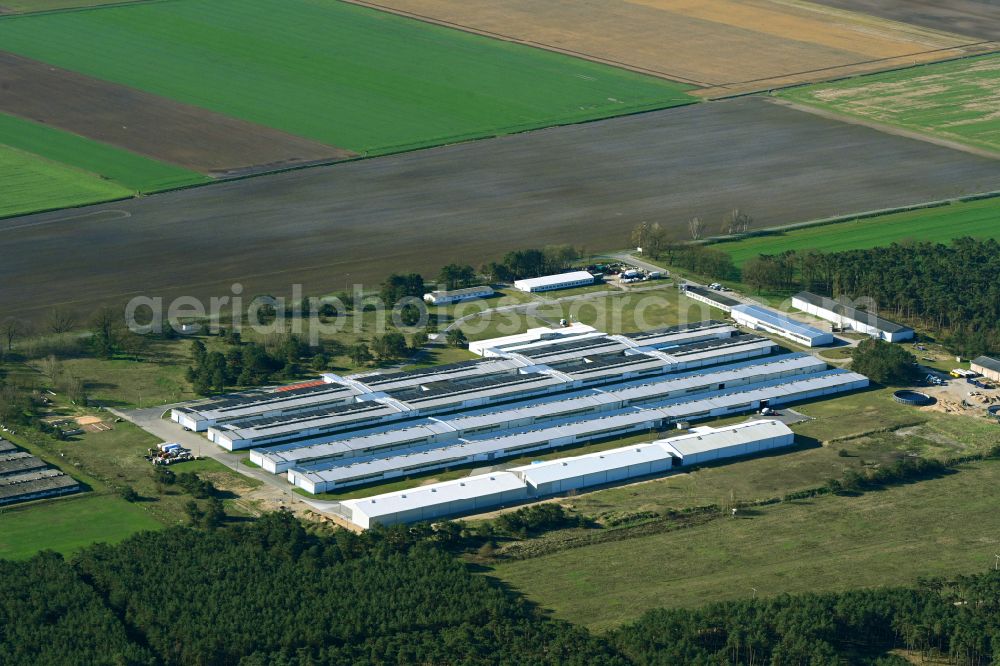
(852, 217)
(527, 42)
(83, 8)
(884, 127)
(994, 50)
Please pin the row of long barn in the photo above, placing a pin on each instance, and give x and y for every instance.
(544, 389)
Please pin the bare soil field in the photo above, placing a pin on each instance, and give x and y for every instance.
(148, 124)
(976, 18)
(725, 46)
(584, 184)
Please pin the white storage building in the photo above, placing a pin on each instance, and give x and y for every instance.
(596, 469)
(463, 496)
(443, 297)
(710, 297)
(553, 282)
(849, 317)
(987, 367)
(706, 444)
(486, 492)
(760, 318)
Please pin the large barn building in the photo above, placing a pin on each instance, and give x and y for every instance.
(553, 282)
(485, 492)
(987, 367)
(848, 317)
(759, 318)
(443, 297)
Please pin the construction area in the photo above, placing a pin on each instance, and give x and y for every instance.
(545, 389)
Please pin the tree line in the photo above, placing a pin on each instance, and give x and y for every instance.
(275, 592)
(952, 289)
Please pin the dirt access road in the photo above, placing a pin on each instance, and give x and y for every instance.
(586, 184)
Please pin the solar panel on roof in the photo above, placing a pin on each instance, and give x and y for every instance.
(680, 328)
(433, 370)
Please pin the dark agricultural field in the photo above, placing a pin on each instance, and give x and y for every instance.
(974, 18)
(585, 184)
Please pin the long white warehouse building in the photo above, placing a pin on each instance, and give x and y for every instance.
(512, 379)
(553, 282)
(442, 429)
(759, 318)
(486, 492)
(333, 475)
(845, 316)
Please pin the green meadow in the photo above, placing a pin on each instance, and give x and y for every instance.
(344, 75)
(974, 218)
(69, 524)
(955, 100)
(132, 171)
(31, 183)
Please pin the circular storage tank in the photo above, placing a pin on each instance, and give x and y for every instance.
(915, 398)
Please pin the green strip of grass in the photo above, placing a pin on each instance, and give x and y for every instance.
(974, 218)
(68, 524)
(345, 75)
(137, 173)
(952, 100)
(31, 183)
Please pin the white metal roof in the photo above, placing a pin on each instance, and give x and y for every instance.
(550, 407)
(779, 320)
(552, 280)
(703, 439)
(532, 335)
(435, 494)
(592, 463)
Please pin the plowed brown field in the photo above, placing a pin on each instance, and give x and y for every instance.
(725, 46)
(149, 124)
(586, 184)
(978, 18)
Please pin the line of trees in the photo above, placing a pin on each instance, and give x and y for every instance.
(272, 592)
(950, 288)
(532, 262)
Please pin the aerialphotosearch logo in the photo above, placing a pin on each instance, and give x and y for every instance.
(365, 313)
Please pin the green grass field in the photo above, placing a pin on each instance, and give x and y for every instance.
(973, 218)
(31, 183)
(940, 527)
(953, 100)
(135, 172)
(68, 524)
(344, 75)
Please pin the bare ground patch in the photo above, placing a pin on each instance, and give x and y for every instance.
(725, 46)
(150, 125)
